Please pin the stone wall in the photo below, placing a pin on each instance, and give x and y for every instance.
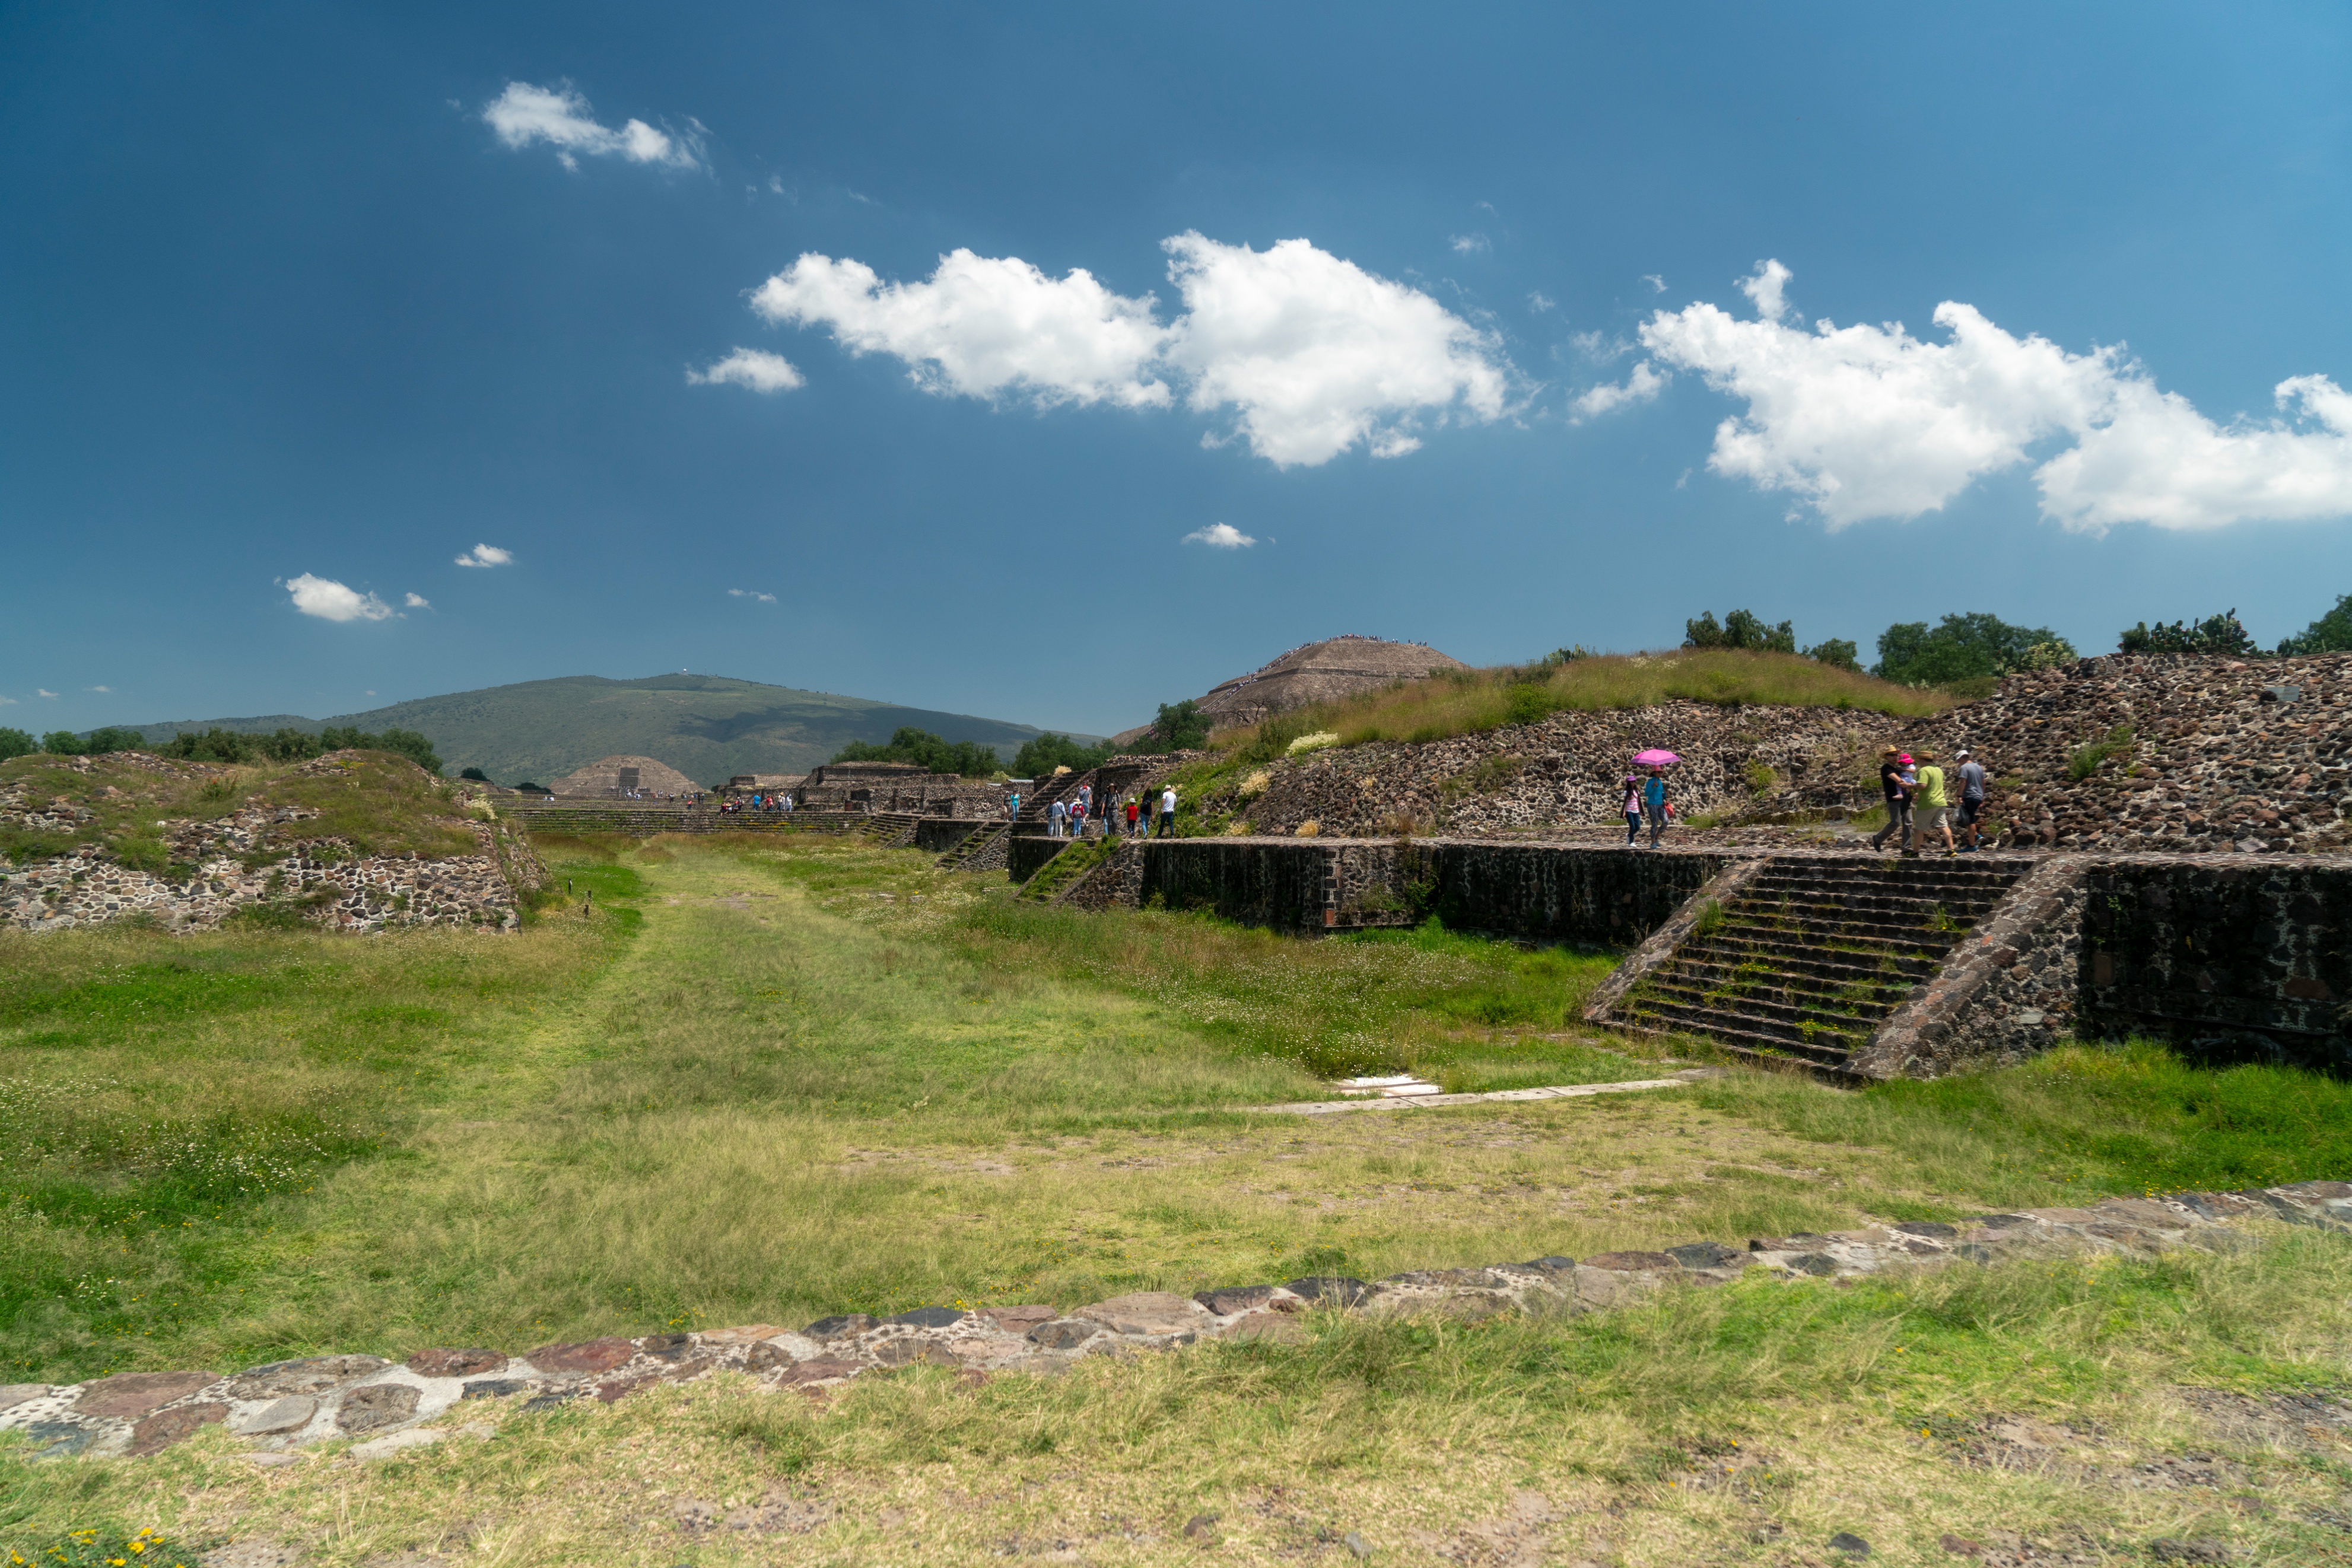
(1543, 893)
(323, 880)
(1027, 853)
(2238, 958)
(941, 834)
(2250, 756)
(1568, 769)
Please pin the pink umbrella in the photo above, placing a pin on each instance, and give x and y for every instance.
(1654, 757)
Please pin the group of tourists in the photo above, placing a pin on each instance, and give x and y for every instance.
(1070, 818)
(1920, 804)
(1646, 797)
(758, 801)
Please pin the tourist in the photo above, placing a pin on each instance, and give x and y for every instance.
(1898, 800)
(1056, 815)
(1012, 807)
(1632, 812)
(1133, 810)
(1168, 811)
(1972, 799)
(1934, 810)
(1654, 800)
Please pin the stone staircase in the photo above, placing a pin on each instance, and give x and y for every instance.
(983, 850)
(892, 830)
(1804, 960)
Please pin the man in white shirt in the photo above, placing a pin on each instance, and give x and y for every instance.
(1168, 811)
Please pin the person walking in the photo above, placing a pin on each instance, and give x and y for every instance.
(1654, 801)
(1898, 800)
(1012, 807)
(1632, 809)
(1168, 812)
(1057, 815)
(1972, 799)
(1935, 811)
(1133, 811)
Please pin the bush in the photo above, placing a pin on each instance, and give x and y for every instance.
(2084, 760)
(2221, 633)
(1739, 630)
(1838, 653)
(967, 758)
(476, 774)
(217, 744)
(1959, 648)
(61, 743)
(16, 743)
(2331, 633)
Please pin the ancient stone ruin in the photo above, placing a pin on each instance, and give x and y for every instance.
(390, 1407)
(624, 778)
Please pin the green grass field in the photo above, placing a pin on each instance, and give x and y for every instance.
(766, 1080)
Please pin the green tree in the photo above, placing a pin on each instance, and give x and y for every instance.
(1739, 630)
(474, 773)
(2331, 633)
(921, 748)
(1837, 652)
(61, 743)
(1180, 727)
(1041, 754)
(17, 743)
(1959, 648)
(2220, 634)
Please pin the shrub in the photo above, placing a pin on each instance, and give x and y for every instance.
(61, 743)
(1960, 647)
(2050, 655)
(1180, 726)
(16, 743)
(2221, 633)
(2331, 633)
(1308, 828)
(1315, 742)
(2084, 760)
(476, 774)
(1837, 652)
(1739, 630)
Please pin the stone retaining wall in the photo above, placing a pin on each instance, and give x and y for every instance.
(1027, 853)
(1542, 892)
(386, 1405)
(938, 835)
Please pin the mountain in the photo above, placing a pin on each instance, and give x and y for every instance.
(706, 727)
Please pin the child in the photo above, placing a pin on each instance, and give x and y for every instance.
(1632, 812)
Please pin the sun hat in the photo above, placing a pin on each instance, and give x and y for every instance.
(1963, 751)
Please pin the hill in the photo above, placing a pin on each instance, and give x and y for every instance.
(706, 727)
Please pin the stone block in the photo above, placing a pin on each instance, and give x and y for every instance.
(165, 1427)
(306, 1375)
(290, 1413)
(1147, 1313)
(129, 1395)
(586, 1355)
(445, 1363)
(377, 1405)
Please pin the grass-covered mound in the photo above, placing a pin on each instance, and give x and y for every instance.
(1472, 702)
(133, 806)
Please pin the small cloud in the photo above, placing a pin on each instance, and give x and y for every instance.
(1222, 536)
(1657, 284)
(369, 694)
(751, 593)
(331, 600)
(1768, 287)
(1540, 302)
(754, 368)
(1598, 345)
(1487, 207)
(1642, 385)
(44, 691)
(559, 115)
(487, 555)
(1471, 244)
(418, 602)
(108, 690)
(7, 701)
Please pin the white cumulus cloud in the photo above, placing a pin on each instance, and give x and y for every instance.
(751, 593)
(487, 555)
(1641, 385)
(983, 327)
(43, 692)
(418, 602)
(1869, 422)
(331, 600)
(754, 368)
(1471, 244)
(1312, 353)
(1220, 536)
(559, 115)
(108, 690)
(1316, 354)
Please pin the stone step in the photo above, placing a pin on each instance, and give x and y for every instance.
(1816, 936)
(1831, 989)
(1827, 963)
(1741, 1035)
(1767, 1004)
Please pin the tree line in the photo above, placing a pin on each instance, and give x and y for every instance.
(226, 746)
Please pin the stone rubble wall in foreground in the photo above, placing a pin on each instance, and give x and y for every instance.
(386, 1405)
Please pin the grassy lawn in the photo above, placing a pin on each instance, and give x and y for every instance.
(769, 1080)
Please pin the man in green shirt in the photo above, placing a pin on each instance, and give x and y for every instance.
(1935, 811)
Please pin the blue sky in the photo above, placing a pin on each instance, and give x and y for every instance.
(1442, 308)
